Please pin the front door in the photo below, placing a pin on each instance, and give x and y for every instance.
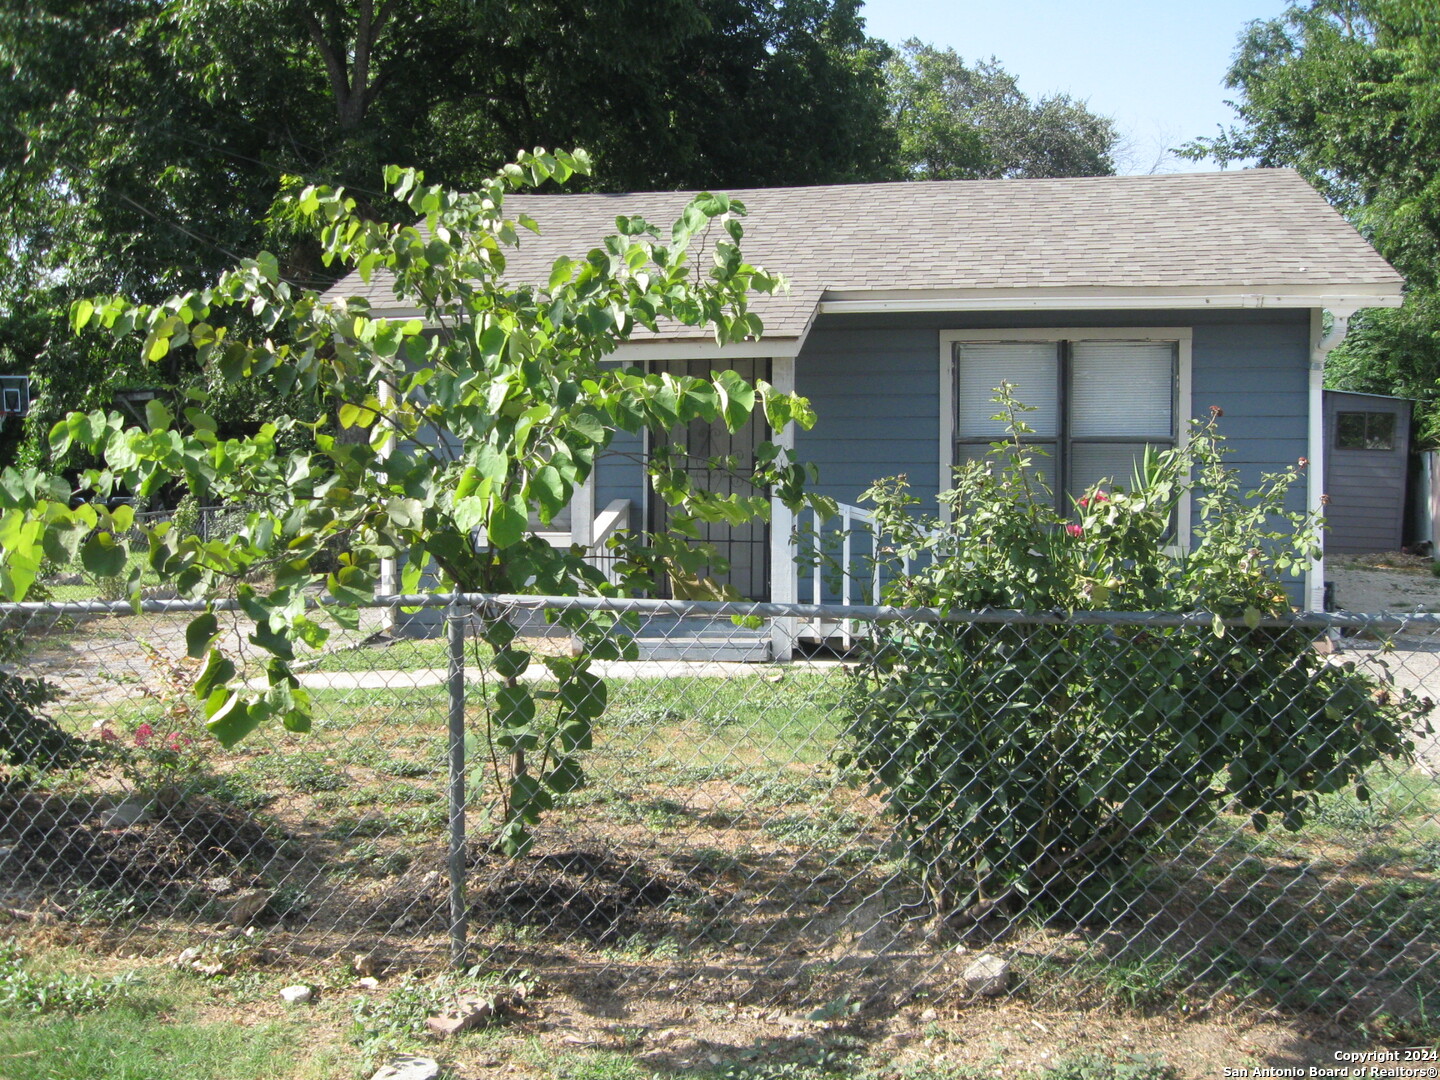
(745, 547)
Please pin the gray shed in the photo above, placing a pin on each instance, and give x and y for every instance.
(1367, 449)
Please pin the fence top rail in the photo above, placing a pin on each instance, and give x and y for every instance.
(467, 602)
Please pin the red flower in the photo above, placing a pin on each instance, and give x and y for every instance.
(143, 734)
(1074, 530)
(1100, 497)
(106, 735)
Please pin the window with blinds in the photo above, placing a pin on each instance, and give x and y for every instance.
(1097, 404)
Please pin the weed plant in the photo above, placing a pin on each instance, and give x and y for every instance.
(25, 990)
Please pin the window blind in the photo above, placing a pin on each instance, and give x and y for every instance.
(1122, 389)
(1030, 366)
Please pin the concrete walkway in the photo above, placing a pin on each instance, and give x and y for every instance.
(621, 670)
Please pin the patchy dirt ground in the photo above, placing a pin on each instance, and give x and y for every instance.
(549, 1033)
(1388, 581)
(669, 923)
(1392, 582)
(992, 1040)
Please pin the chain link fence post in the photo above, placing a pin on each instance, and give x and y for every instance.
(455, 619)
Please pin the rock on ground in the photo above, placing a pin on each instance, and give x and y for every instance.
(987, 975)
(408, 1067)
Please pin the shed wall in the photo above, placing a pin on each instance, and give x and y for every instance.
(1366, 511)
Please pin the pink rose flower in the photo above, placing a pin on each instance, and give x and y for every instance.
(143, 734)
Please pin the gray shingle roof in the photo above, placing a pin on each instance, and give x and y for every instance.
(1255, 230)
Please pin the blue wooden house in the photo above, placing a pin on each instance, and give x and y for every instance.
(1120, 307)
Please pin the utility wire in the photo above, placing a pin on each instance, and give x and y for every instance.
(176, 225)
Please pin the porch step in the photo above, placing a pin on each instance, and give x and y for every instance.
(659, 638)
(669, 638)
(754, 650)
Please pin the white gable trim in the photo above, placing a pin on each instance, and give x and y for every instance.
(636, 352)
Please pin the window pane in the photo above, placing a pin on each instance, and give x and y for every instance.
(1350, 431)
(1042, 461)
(980, 368)
(1380, 431)
(1114, 463)
(1122, 388)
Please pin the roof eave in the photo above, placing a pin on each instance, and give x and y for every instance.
(1347, 298)
(699, 344)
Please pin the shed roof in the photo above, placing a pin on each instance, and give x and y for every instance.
(1244, 238)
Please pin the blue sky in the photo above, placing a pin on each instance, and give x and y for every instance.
(1156, 66)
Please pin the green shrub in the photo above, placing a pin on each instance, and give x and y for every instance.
(1035, 762)
(28, 738)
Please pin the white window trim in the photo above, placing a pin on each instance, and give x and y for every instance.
(1180, 336)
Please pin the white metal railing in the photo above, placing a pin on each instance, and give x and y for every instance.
(843, 566)
(844, 527)
(611, 521)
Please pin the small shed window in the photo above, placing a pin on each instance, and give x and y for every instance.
(1365, 431)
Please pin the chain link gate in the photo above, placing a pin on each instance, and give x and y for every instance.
(752, 831)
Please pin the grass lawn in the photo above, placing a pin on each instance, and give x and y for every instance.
(724, 787)
(417, 654)
(59, 1018)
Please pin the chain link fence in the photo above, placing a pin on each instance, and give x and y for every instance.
(1143, 809)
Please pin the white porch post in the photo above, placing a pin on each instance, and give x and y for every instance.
(582, 513)
(389, 578)
(784, 575)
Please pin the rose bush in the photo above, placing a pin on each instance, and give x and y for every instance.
(1033, 762)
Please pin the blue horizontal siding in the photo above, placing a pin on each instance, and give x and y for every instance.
(875, 393)
(619, 475)
(874, 384)
(1258, 374)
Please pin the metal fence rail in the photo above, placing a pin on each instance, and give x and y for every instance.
(946, 804)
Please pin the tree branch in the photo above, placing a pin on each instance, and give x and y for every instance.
(364, 39)
(334, 65)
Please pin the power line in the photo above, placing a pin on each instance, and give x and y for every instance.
(176, 225)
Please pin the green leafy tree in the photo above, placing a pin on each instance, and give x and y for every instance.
(1348, 93)
(515, 375)
(144, 143)
(959, 122)
(1034, 764)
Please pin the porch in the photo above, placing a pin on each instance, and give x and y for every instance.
(831, 562)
